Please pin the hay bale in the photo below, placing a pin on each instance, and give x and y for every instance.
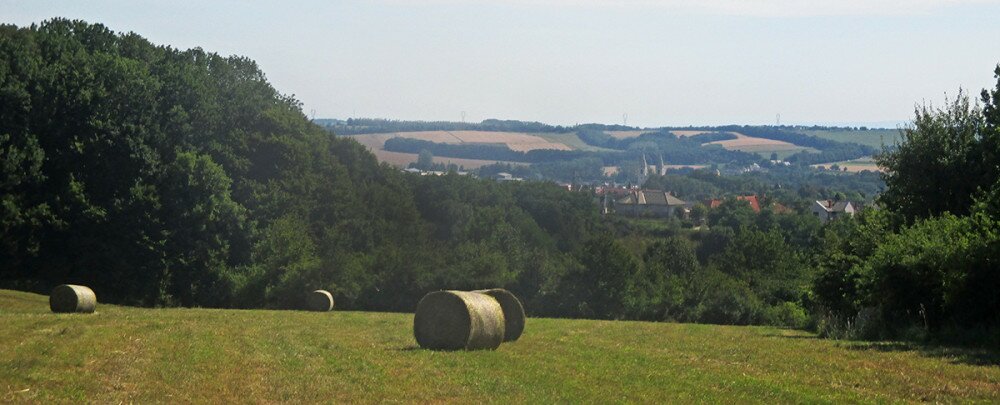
(513, 312)
(456, 320)
(320, 301)
(72, 298)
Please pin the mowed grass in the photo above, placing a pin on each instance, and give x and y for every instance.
(570, 139)
(872, 137)
(122, 354)
(853, 166)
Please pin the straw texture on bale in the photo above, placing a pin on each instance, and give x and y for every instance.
(513, 312)
(458, 320)
(320, 301)
(72, 298)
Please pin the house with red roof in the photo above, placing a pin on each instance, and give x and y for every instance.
(752, 199)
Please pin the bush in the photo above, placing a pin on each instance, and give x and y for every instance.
(786, 314)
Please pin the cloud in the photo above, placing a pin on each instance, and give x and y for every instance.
(756, 8)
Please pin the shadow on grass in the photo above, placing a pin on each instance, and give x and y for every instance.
(956, 355)
(810, 337)
(790, 333)
(410, 348)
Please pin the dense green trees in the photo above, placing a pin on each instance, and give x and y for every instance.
(942, 145)
(925, 264)
(165, 177)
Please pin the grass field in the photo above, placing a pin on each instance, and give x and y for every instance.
(854, 166)
(122, 354)
(873, 137)
(572, 140)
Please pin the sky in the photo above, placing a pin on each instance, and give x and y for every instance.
(648, 63)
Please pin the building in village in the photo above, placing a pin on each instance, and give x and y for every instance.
(752, 199)
(827, 210)
(655, 203)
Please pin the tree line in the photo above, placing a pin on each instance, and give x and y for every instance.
(356, 126)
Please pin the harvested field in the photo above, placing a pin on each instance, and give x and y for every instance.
(746, 143)
(143, 355)
(760, 146)
(516, 141)
(743, 141)
(400, 159)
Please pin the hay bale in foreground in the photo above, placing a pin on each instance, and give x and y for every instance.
(456, 320)
(68, 298)
(320, 301)
(513, 312)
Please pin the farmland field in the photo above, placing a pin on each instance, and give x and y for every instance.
(854, 166)
(873, 137)
(400, 159)
(122, 354)
(681, 133)
(516, 141)
(571, 140)
(761, 146)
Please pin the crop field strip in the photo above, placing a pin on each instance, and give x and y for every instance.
(123, 354)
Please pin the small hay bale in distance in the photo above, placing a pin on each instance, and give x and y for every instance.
(70, 298)
(458, 320)
(513, 312)
(319, 301)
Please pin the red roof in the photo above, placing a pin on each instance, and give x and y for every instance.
(752, 199)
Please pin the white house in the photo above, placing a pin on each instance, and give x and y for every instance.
(826, 210)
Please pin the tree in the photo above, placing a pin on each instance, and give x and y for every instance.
(601, 287)
(670, 265)
(941, 163)
(698, 213)
(732, 213)
(203, 221)
(425, 160)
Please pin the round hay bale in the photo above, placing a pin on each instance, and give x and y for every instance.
(320, 301)
(457, 320)
(72, 298)
(513, 312)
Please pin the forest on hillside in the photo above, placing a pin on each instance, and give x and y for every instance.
(167, 177)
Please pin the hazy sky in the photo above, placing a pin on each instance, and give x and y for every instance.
(673, 62)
